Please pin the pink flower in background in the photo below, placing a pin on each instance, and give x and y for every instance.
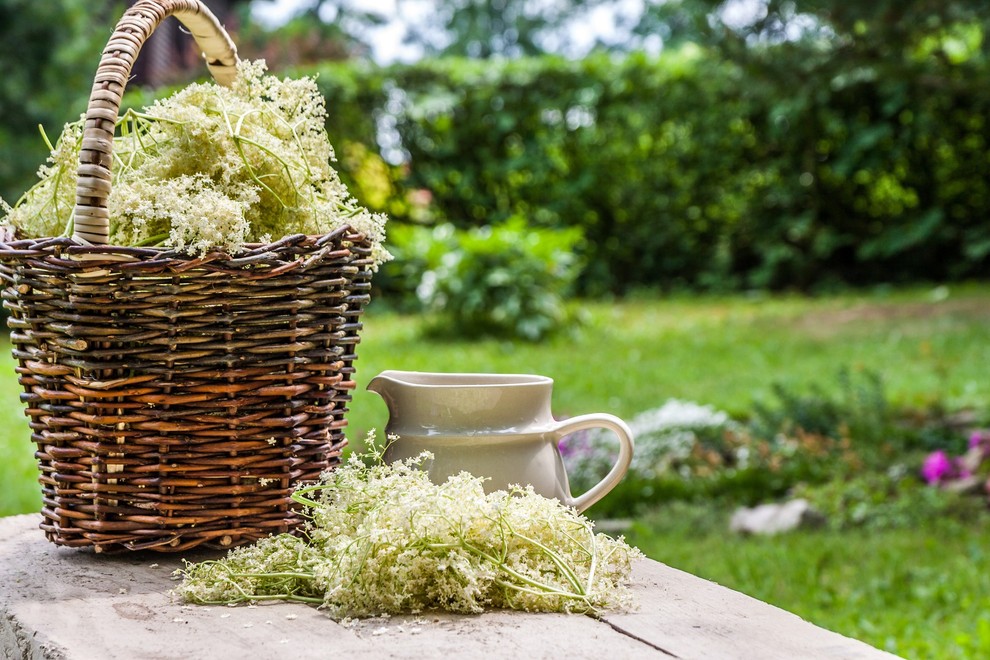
(975, 439)
(964, 474)
(980, 440)
(936, 467)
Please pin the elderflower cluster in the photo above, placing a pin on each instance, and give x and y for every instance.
(385, 539)
(210, 167)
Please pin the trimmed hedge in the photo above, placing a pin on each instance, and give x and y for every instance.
(687, 171)
(795, 169)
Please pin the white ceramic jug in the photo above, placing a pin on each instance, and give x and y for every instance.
(497, 426)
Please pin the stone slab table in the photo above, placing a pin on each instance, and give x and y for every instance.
(59, 603)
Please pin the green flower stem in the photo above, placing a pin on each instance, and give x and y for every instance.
(499, 562)
(364, 560)
(44, 136)
(250, 598)
(239, 141)
(154, 118)
(556, 559)
(299, 143)
(299, 495)
(594, 563)
(501, 565)
(545, 592)
(284, 574)
(152, 240)
(591, 554)
(70, 221)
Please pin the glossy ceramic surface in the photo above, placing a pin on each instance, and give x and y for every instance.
(497, 426)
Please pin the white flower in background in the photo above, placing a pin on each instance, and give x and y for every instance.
(663, 436)
(678, 414)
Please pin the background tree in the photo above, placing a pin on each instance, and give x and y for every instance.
(319, 30)
(48, 53)
(506, 28)
(870, 123)
(470, 28)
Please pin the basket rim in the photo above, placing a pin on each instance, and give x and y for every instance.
(293, 252)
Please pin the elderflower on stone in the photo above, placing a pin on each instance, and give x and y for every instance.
(211, 167)
(385, 539)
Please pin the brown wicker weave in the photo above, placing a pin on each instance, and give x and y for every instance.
(177, 401)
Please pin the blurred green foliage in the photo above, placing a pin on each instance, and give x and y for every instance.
(303, 38)
(887, 500)
(48, 54)
(594, 144)
(814, 144)
(840, 442)
(856, 408)
(510, 280)
(821, 145)
(689, 171)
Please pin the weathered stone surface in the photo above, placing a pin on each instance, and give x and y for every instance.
(62, 604)
(774, 518)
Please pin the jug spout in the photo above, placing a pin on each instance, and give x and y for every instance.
(404, 392)
(387, 385)
(384, 382)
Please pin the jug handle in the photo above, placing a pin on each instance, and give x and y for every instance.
(614, 476)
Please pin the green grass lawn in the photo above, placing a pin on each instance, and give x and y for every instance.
(632, 356)
(18, 474)
(919, 592)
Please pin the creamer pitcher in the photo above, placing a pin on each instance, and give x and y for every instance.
(497, 426)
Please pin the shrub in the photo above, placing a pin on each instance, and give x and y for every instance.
(614, 147)
(697, 170)
(856, 411)
(894, 499)
(416, 249)
(686, 451)
(506, 280)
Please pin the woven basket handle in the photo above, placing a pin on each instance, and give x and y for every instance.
(91, 217)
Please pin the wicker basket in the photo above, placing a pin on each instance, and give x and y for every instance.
(177, 401)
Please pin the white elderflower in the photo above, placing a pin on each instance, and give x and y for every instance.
(211, 168)
(385, 539)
